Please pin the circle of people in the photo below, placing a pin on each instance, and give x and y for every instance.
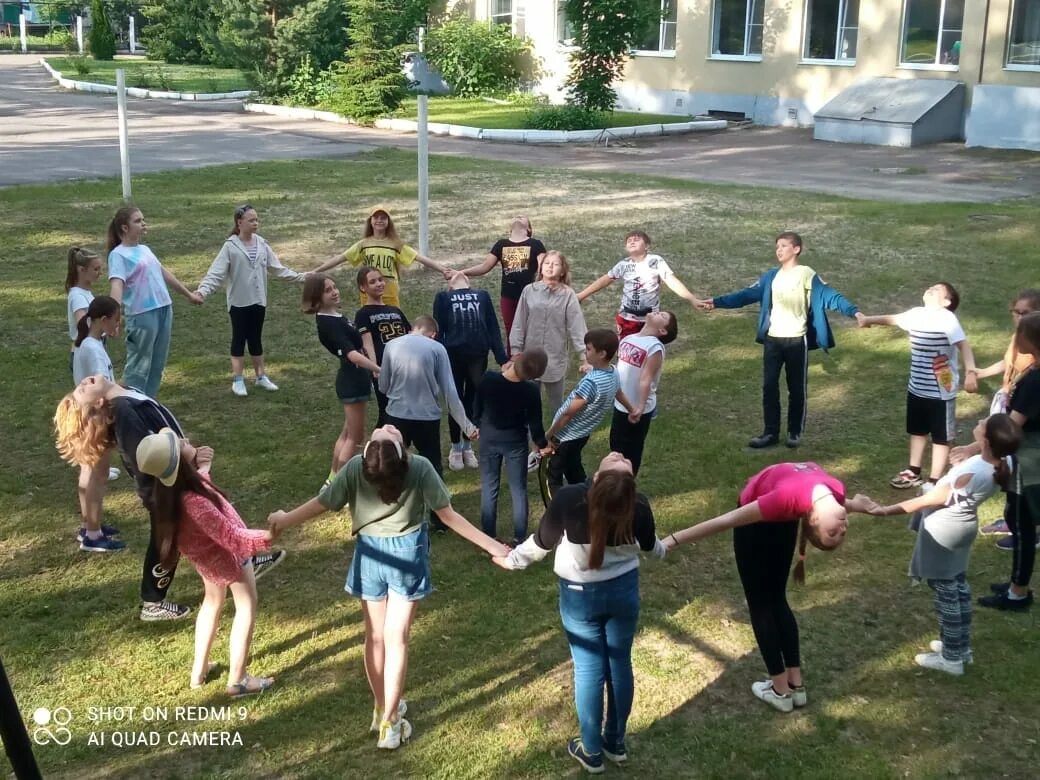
(597, 526)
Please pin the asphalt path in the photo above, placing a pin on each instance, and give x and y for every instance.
(48, 134)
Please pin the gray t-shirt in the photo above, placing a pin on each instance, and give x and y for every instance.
(90, 359)
(414, 373)
(423, 492)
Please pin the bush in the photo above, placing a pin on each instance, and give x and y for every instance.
(180, 31)
(305, 45)
(81, 65)
(307, 86)
(477, 59)
(101, 42)
(565, 118)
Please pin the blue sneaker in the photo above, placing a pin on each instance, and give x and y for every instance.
(614, 751)
(105, 544)
(1007, 544)
(106, 530)
(593, 762)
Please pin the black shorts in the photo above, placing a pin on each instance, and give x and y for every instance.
(353, 384)
(931, 417)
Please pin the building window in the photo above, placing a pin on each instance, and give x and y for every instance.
(1024, 39)
(932, 32)
(737, 28)
(501, 12)
(565, 31)
(661, 37)
(831, 29)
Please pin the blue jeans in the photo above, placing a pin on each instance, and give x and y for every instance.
(600, 621)
(492, 455)
(147, 347)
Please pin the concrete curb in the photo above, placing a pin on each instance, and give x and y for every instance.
(138, 92)
(483, 134)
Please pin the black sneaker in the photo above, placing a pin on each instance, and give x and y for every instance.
(793, 441)
(614, 751)
(763, 441)
(593, 763)
(1004, 602)
(999, 587)
(152, 611)
(264, 562)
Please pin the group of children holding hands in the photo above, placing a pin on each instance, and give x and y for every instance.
(410, 363)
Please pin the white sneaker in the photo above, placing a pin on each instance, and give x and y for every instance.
(764, 690)
(455, 460)
(799, 696)
(238, 387)
(377, 716)
(469, 459)
(533, 459)
(113, 473)
(391, 735)
(936, 647)
(940, 664)
(266, 383)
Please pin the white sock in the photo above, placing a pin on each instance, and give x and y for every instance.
(95, 535)
(1012, 596)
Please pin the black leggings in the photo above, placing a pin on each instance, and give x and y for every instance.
(155, 579)
(247, 325)
(467, 371)
(1022, 513)
(764, 552)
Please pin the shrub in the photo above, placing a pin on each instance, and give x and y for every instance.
(102, 41)
(478, 59)
(307, 86)
(81, 65)
(565, 118)
(305, 45)
(180, 31)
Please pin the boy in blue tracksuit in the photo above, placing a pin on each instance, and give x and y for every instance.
(792, 320)
(468, 330)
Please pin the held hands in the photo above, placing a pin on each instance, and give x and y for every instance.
(971, 382)
(474, 434)
(635, 415)
(704, 304)
(865, 504)
(502, 562)
(196, 298)
(861, 320)
(670, 542)
(275, 522)
(959, 455)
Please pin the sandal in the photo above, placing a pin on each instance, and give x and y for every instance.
(249, 685)
(209, 670)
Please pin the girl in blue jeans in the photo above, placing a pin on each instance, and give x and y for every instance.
(597, 528)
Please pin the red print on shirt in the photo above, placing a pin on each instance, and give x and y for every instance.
(631, 353)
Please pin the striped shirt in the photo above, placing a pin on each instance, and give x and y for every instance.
(598, 388)
(934, 336)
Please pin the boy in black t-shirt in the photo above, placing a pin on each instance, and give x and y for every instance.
(378, 323)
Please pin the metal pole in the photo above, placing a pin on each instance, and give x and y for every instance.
(79, 33)
(15, 737)
(124, 140)
(133, 36)
(21, 33)
(424, 166)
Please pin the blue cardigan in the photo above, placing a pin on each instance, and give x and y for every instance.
(818, 331)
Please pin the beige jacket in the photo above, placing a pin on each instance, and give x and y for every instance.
(246, 282)
(550, 319)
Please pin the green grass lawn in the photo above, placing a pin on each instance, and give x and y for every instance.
(489, 688)
(152, 74)
(475, 112)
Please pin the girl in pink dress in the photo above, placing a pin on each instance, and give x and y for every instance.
(194, 517)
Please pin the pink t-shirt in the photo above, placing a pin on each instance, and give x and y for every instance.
(784, 491)
(215, 539)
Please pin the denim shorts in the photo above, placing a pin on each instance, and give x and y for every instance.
(390, 563)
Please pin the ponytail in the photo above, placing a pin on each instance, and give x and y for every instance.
(803, 540)
(612, 507)
(1004, 437)
(101, 306)
(78, 258)
(115, 227)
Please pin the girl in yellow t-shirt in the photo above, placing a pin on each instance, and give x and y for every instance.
(382, 249)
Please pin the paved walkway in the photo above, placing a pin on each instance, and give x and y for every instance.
(47, 134)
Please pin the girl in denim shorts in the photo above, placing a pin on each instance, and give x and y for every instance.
(390, 493)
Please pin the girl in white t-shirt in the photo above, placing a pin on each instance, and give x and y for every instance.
(101, 319)
(84, 269)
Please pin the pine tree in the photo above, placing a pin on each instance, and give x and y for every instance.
(101, 42)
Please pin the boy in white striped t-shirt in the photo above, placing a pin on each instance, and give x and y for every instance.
(584, 409)
(936, 337)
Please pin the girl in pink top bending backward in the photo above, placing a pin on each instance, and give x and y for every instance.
(781, 507)
(194, 517)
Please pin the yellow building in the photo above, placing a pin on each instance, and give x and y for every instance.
(778, 62)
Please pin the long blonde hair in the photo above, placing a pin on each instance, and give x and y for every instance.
(81, 435)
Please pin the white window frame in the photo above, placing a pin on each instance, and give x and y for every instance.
(1008, 65)
(662, 28)
(493, 17)
(749, 5)
(936, 63)
(843, 13)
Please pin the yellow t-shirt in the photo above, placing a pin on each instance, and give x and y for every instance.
(1015, 365)
(789, 316)
(387, 258)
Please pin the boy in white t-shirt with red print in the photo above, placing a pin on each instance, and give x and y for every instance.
(639, 364)
(936, 337)
(641, 273)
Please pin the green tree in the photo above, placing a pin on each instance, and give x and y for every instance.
(244, 36)
(306, 44)
(102, 41)
(180, 30)
(604, 33)
(480, 59)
